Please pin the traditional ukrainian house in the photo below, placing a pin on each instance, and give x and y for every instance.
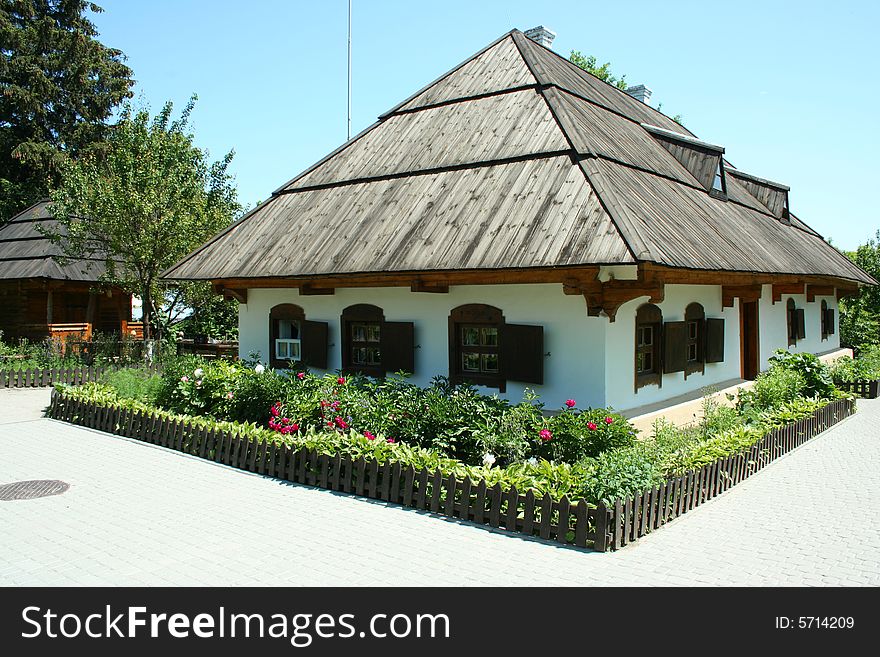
(520, 223)
(41, 297)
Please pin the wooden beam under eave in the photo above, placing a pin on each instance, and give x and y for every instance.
(743, 292)
(310, 290)
(814, 291)
(786, 288)
(237, 294)
(431, 288)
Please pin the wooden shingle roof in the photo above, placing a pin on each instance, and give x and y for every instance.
(25, 252)
(516, 158)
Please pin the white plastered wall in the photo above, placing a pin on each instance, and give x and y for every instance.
(620, 346)
(772, 319)
(575, 367)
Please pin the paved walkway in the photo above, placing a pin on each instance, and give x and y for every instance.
(141, 515)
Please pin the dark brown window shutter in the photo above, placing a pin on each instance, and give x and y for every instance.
(398, 347)
(522, 353)
(675, 346)
(801, 328)
(714, 340)
(314, 344)
(829, 321)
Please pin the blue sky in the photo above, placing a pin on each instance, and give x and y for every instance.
(789, 88)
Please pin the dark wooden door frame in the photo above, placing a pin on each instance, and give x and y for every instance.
(749, 370)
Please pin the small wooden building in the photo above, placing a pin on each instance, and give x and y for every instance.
(40, 297)
(520, 223)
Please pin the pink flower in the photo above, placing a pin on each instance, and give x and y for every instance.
(229, 395)
(341, 423)
(294, 427)
(300, 375)
(609, 420)
(592, 426)
(369, 436)
(389, 440)
(334, 405)
(274, 410)
(286, 420)
(341, 380)
(571, 403)
(330, 423)
(184, 379)
(285, 430)
(545, 435)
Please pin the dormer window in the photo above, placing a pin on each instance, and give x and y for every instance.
(718, 184)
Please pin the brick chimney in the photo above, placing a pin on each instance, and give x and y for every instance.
(639, 92)
(541, 35)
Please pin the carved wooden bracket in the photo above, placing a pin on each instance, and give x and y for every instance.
(786, 288)
(814, 291)
(308, 290)
(432, 288)
(846, 292)
(238, 294)
(744, 292)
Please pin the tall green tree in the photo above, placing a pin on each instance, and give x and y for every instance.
(591, 65)
(860, 314)
(142, 200)
(58, 86)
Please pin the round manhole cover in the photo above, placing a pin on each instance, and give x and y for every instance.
(29, 490)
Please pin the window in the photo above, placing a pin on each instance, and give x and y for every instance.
(293, 340)
(795, 323)
(361, 327)
(373, 346)
(288, 343)
(827, 320)
(649, 319)
(719, 185)
(475, 345)
(695, 317)
(486, 350)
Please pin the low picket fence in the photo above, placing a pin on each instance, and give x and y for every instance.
(636, 516)
(34, 378)
(564, 521)
(869, 389)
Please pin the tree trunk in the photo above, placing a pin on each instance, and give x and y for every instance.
(146, 305)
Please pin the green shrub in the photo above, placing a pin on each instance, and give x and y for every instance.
(817, 377)
(771, 389)
(866, 367)
(133, 383)
(613, 474)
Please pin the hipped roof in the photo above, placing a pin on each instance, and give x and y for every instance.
(25, 252)
(515, 158)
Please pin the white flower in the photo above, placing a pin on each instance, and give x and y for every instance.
(199, 373)
(259, 369)
(488, 459)
(532, 461)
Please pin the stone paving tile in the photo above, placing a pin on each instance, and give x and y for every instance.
(141, 515)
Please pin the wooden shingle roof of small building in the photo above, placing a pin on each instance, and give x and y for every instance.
(26, 252)
(517, 158)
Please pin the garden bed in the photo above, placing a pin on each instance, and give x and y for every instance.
(568, 521)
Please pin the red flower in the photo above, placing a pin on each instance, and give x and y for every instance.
(592, 426)
(609, 420)
(390, 440)
(341, 380)
(275, 411)
(300, 375)
(286, 420)
(571, 403)
(341, 423)
(294, 427)
(545, 435)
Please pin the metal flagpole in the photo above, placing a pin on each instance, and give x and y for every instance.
(349, 71)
